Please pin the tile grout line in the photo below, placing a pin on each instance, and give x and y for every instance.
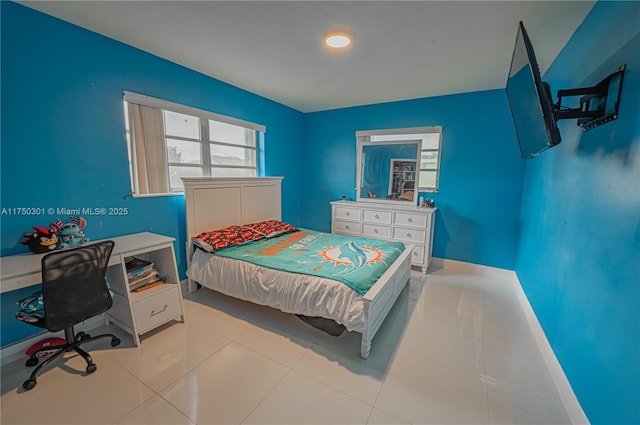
(268, 392)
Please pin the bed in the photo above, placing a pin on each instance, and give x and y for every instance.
(216, 203)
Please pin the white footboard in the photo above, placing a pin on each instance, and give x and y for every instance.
(381, 297)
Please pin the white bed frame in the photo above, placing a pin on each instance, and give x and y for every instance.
(215, 202)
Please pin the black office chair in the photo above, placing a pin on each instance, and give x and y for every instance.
(74, 289)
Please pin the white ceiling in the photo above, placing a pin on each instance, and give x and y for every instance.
(401, 49)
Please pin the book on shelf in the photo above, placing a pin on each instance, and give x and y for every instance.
(140, 272)
(135, 287)
(145, 277)
(149, 285)
(133, 264)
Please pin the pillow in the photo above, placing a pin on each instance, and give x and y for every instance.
(271, 228)
(223, 238)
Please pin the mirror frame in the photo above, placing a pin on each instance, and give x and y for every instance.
(360, 148)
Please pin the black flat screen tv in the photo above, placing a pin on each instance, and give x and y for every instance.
(530, 100)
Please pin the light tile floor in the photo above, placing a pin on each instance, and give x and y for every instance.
(455, 349)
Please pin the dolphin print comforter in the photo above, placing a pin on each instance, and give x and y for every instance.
(356, 262)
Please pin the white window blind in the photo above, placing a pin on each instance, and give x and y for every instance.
(168, 141)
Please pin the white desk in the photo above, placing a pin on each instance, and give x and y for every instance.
(137, 313)
(23, 270)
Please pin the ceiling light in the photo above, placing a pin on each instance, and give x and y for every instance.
(337, 40)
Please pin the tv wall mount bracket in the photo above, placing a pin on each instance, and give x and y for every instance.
(598, 105)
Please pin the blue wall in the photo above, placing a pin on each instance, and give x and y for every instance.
(63, 142)
(481, 172)
(579, 251)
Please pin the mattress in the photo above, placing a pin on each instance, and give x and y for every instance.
(289, 292)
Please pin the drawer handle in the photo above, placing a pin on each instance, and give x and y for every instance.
(375, 230)
(346, 227)
(159, 310)
(347, 213)
(377, 216)
(410, 220)
(415, 253)
(408, 235)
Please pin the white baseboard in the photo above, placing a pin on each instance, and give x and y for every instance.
(15, 351)
(462, 267)
(568, 397)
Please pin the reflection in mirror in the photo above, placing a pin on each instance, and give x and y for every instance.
(394, 165)
(388, 171)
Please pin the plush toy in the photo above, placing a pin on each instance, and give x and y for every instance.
(41, 240)
(71, 233)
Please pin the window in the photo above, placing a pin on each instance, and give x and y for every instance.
(168, 141)
(428, 140)
(429, 162)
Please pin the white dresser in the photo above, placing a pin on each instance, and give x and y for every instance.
(409, 224)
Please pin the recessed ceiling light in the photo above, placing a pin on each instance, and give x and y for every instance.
(337, 40)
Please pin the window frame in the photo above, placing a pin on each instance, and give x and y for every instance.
(205, 142)
(438, 151)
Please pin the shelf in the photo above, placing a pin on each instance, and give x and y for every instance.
(140, 312)
(137, 296)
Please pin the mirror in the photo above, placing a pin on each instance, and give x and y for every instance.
(387, 171)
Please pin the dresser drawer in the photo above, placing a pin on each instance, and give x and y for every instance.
(376, 231)
(373, 216)
(347, 227)
(410, 219)
(409, 235)
(402, 223)
(417, 256)
(346, 213)
(156, 310)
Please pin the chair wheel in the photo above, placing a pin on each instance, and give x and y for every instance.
(91, 368)
(29, 384)
(115, 342)
(84, 337)
(31, 362)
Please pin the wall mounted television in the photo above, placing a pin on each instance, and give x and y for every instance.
(534, 113)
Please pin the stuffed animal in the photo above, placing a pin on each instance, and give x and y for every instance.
(71, 233)
(41, 240)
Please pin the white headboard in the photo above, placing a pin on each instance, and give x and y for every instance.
(216, 202)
